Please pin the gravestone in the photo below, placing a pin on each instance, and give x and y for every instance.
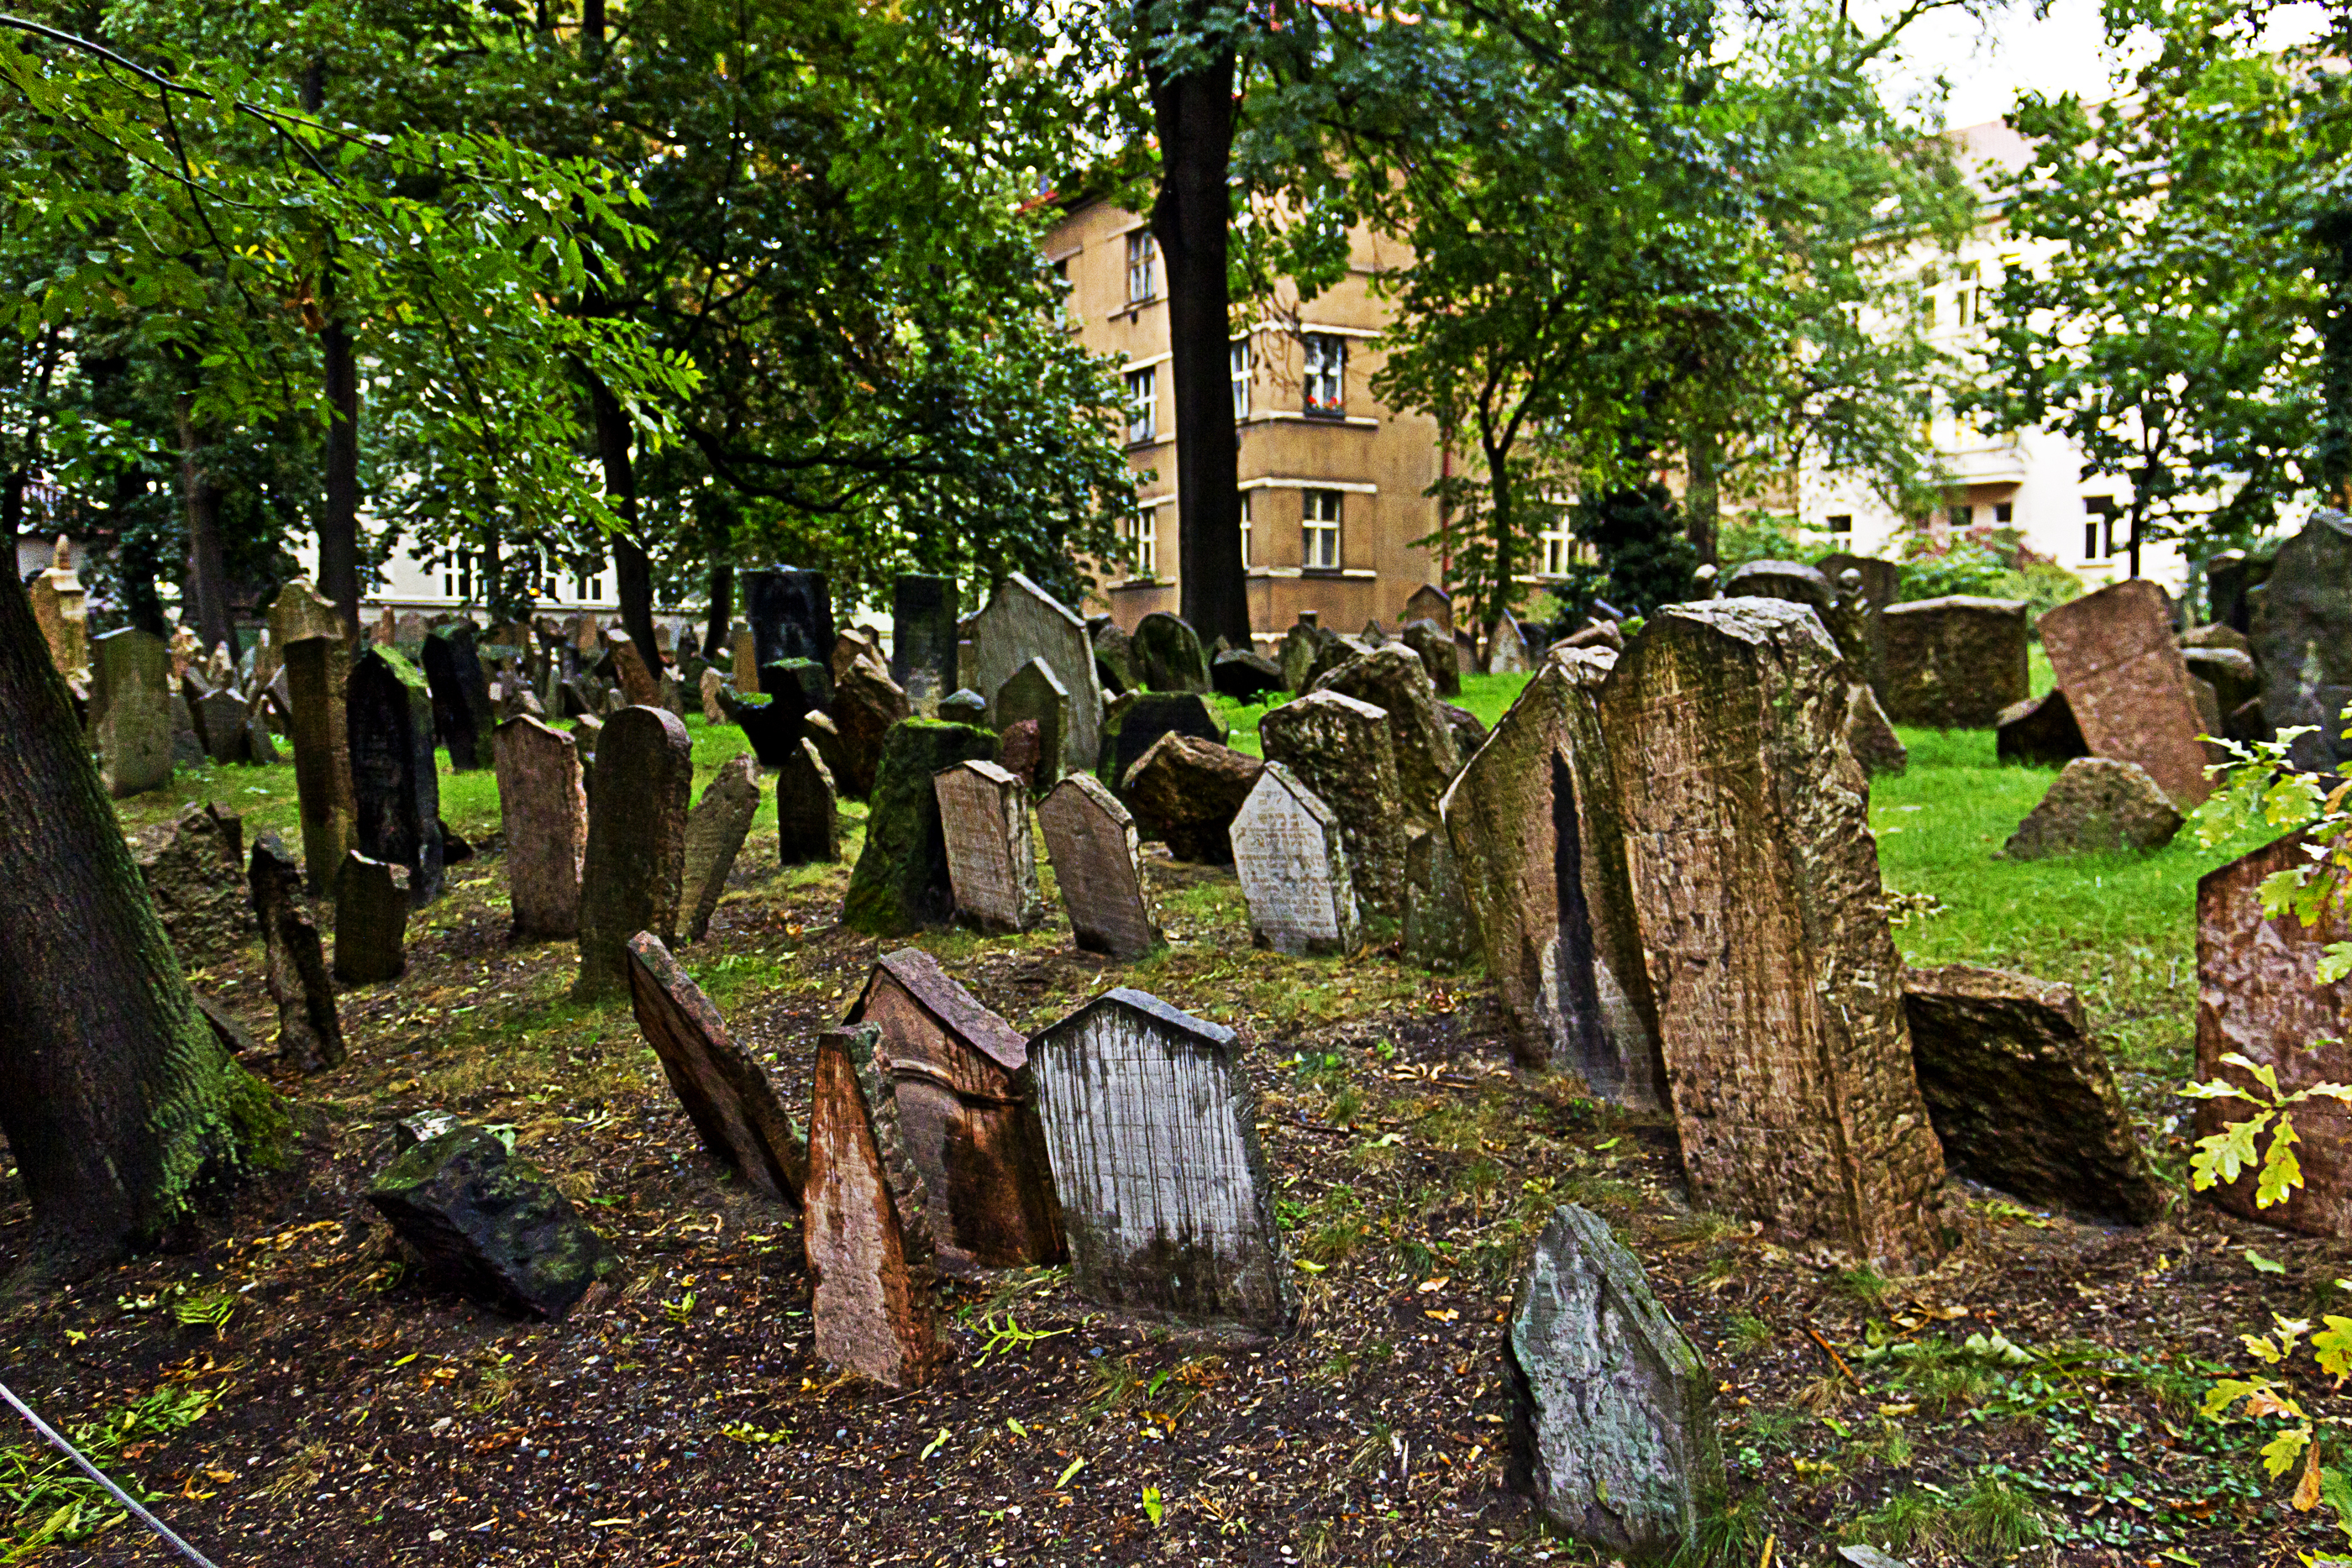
(193, 869)
(850, 645)
(866, 1224)
(791, 613)
(131, 712)
(992, 856)
(901, 883)
(1137, 723)
(315, 643)
(543, 805)
(258, 746)
(489, 1223)
(808, 817)
(2258, 997)
(725, 1092)
(1954, 663)
(1537, 831)
(1022, 622)
(2021, 1095)
(2231, 672)
(59, 609)
(713, 682)
(1300, 644)
(371, 921)
(967, 1112)
(220, 718)
(1430, 603)
(1612, 1414)
(462, 710)
(964, 705)
(1506, 647)
(1341, 749)
(1184, 793)
(866, 704)
(715, 832)
(1151, 1124)
(745, 652)
(633, 873)
(2113, 655)
(1245, 676)
(1168, 656)
(1034, 693)
(1439, 932)
(1792, 581)
(1881, 586)
(2229, 579)
(293, 962)
(1020, 752)
(395, 786)
(2302, 634)
(1869, 736)
(2095, 803)
(1289, 858)
(187, 745)
(1763, 922)
(1435, 647)
(2039, 732)
(1091, 840)
(923, 613)
(632, 672)
(1393, 679)
(772, 728)
(1114, 657)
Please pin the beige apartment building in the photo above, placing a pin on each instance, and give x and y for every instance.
(1332, 483)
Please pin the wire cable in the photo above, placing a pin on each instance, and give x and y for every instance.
(58, 1442)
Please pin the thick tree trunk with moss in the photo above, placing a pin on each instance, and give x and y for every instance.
(118, 1100)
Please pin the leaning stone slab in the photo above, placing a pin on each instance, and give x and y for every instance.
(1438, 930)
(293, 962)
(2301, 637)
(131, 712)
(1184, 793)
(1022, 622)
(2039, 732)
(371, 921)
(1763, 922)
(1341, 749)
(396, 786)
(462, 711)
(1612, 1406)
(1135, 723)
(543, 803)
(2114, 656)
(2021, 1095)
(715, 832)
(1439, 655)
(808, 815)
(1152, 1123)
(901, 882)
(991, 854)
(313, 640)
(867, 1225)
(1293, 867)
(220, 718)
(2095, 803)
(633, 873)
(1393, 679)
(727, 1094)
(490, 1226)
(1954, 663)
(1091, 840)
(865, 703)
(1870, 736)
(967, 1112)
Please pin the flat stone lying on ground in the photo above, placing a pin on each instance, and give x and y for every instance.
(490, 1226)
(293, 962)
(1184, 793)
(1289, 858)
(1342, 750)
(715, 831)
(633, 875)
(543, 806)
(901, 883)
(991, 854)
(725, 1092)
(371, 921)
(2095, 803)
(1098, 868)
(2113, 655)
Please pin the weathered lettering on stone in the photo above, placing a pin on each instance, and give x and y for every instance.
(131, 712)
(1341, 749)
(633, 873)
(727, 1094)
(1098, 866)
(1954, 663)
(396, 784)
(991, 855)
(371, 921)
(1292, 867)
(543, 803)
(1022, 622)
(715, 832)
(294, 963)
(2114, 656)
(867, 1225)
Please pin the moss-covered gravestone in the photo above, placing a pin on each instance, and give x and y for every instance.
(901, 883)
(2303, 639)
(131, 711)
(1393, 679)
(1342, 750)
(636, 866)
(490, 1226)
(1167, 653)
(396, 785)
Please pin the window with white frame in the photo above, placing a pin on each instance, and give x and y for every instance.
(1240, 372)
(588, 587)
(457, 577)
(1555, 543)
(1142, 265)
(1319, 539)
(1245, 527)
(1142, 407)
(1841, 522)
(1143, 542)
(1966, 305)
(1326, 373)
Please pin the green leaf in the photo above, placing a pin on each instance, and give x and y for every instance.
(1064, 1478)
(2221, 1157)
(2264, 1264)
(2280, 1170)
(1151, 1506)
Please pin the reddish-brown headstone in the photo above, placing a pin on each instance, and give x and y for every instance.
(728, 1095)
(1098, 866)
(636, 677)
(2114, 656)
(635, 862)
(543, 806)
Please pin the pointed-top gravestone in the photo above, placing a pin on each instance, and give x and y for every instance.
(60, 603)
(543, 805)
(2302, 634)
(293, 962)
(315, 643)
(714, 837)
(131, 712)
(396, 784)
(901, 882)
(1430, 603)
(1342, 749)
(968, 1110)
(1152, 1123)
(462, 711)
(371, 921)
(1098, 866)
(865, 703)
(866, 1224)
(992, 856)
(808, 815)
(1167, 653)
(633, 871)
(1506, 647)
(1035, 694)
(1022, 622)
(727, 1094)
(791, 613)
(923, 614)
(2113, 655)
(1293, 870)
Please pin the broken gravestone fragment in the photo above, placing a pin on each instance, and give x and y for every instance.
(2095, 803)
(490, 1226)
(371, 921)
(727, 1094)
(293, 962)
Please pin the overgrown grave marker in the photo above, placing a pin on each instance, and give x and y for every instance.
(1098, 868)
(991, 854)
(727, 1094)
(901, 883)
(923, 615)
(396, 784)
(1293, 867)
(543, 805)
(715, 832)
(632, 873)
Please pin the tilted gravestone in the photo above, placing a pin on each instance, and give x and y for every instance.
(967, 1112)
(715, 832)
(1022, 622)
(462, 711)
(293, 962)
(543, 804)
(489, 1223)
(1034, 693)
(991, 855)
(1289, 859)
(1114, 657)
(2039, 732)
(2095, 803)
(2258, 997)
(1135, 723)
(865, 703)
(808, 816)
(59, 609)
(195, 869)
(1393, 679)
(1613, 1413)
(2302, 636)
(2113, 655)
(371, 921)
(1167, 653)
(314, 641)
(395, 786)
(1763, 921)
(632, 671)
(1870, 736)
(1091, 840)
(1953, 663)
(727, 1094)
(1184, 793)
(1539, 834)
(790, 613)
(867, 1222)
(901, 883)
(131, 712)
(923, 614)
(1506, 647)
(634, 871)
(1341, 749)
(1151, 1124)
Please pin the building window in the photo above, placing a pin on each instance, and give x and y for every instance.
(1142, 265)
(1326, 373)
(2004, 512)
(1961, 517)
(1320, 540)
(457, 577)
(1929, 279)
(1556, 544)
(1142, 407)
(1239, 370)
(2098, 527)
(590, 588)
(1245, 527)
(1841, 523)
(1965, 307)
(1143, 542)
(1065, 311)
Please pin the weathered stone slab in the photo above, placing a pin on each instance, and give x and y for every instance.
(1137, 722)
(1954, 663)
(725, 1092)
(1757, 893)
(294, 964)
(1880, 585)
(2302, 635)
(901, 882)
(1430, 603)
(1035, 694)
(1393, 679)
(2095, 803)
(315, 643)
(967, 1112)
(1790, 579)
(1342, 750)
(220, 718)
(1438, 930)
(396, 784)
(715, 832)
(1300, 645)
(2039, 732)
(634, 871)
(258, 746)
(543, 803)
(1612, 1406)
(1020, 751)
(2229, 670)
(463, 714)
(1022, 622)
(745, 651)
(1184, 793)
(193, 869)
(1292, 863)
(1091, 840)
(790, 613)
(1506, 647)
(808, 816)
(991, 855)
(1168, 656)
(867, 1225)
(2258, 997)
(1114, 657)
(924, 611)
(866, 704)
(1245, 674)
(1439, 656)
(489, 1225)
(2113, 655)
(1870, 736)
(371, 921)
(713, 682)
(1538, 832)
(1152, 1123)
(131, 712)
(2021, 1095)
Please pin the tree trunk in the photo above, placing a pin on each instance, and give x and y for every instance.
(207, 598)
(633, 570)
(1500, 524)
(339, 524)
(1194, 116)
(1703, 499)
(142, 605)
(2333, 231)
(722, 609)
(12, 512)
(118, 1100)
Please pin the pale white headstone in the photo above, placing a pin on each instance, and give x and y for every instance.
(1293, 869)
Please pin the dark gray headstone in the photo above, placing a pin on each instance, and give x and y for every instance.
(1168, 656)
(808, 814)
(791, 613)
(2301, 632)
(489, 1225)
(462, 711)
(635, 863)
(1129, 732)
(923, 615)
(294, 963)
(395, 786)
(371, 921)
